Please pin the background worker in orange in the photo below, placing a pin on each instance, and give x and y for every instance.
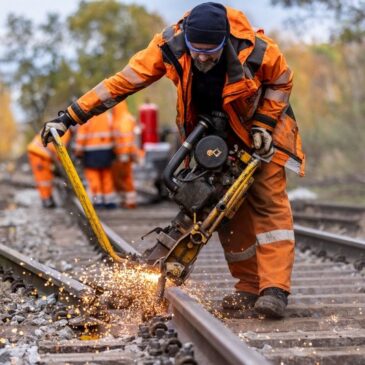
(94, 144)
(220, 64)
(126, 150)
(41, 160)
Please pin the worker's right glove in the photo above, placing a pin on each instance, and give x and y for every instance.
(262, 142)
(61, 124)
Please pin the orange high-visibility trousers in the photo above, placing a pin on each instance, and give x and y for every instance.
(259, 240)
(124, 182)
(42, 173)
(100, 185)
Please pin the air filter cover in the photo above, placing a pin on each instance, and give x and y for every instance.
(211, 152)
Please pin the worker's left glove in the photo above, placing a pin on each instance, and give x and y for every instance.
(61, 124)
(262, 142)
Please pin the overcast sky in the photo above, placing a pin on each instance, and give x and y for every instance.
(260, 12)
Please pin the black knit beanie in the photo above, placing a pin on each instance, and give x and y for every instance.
(207, 23)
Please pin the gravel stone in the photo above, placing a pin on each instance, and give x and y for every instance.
(38, 332)
(38, 321)
(19, 318)
(66, 333)
(60, 324)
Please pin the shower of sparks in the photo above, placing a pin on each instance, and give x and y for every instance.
(128, 291)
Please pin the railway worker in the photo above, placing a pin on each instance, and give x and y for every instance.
(127, 152)
(94, 144)
(218, 62)
(41, 160)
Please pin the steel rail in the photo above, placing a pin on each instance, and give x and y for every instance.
(41, 276)
(347, 208)
(319, 218)
(334, 245)
(217, 344)
(214, 343)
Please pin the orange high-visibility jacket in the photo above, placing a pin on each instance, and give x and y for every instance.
(257, 88)
(124, 125)
(49, 152)
(94, 142)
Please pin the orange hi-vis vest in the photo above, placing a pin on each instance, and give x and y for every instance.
(124, 125)
(256, 91)
(49, 153)
(94, 141)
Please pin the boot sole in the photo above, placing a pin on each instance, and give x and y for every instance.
(271, 308)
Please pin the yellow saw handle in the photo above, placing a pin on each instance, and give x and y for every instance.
(83, 197)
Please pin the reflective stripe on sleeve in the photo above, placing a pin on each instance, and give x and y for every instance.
(126, 144)
(275, 236)
(132, 77)
(277, 95)
(123, 134)
(293, 165)
(283, 78)
(104, 146)
(102, 92)
(94, 135)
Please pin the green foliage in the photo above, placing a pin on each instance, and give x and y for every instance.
(329, 102)
(54, 62)
(106, 34)
(32, 62)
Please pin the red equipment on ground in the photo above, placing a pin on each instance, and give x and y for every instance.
(148, 117)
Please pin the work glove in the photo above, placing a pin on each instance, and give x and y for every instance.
(61, 124)
(262, 142)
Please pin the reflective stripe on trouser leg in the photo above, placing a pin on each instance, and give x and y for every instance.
(42, 173)
(265, 219)
(107, 185)
(238, 241)
(130, 197)
(273, 224)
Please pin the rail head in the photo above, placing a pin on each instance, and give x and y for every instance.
(332, 237)
(337, 247)
(217, 344)
(24, 263)
(302, 204)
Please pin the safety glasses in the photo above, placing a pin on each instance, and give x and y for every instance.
(204, 51)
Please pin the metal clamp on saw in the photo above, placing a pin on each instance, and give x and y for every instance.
(209, 190)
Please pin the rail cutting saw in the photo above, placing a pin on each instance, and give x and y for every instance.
(208, 189)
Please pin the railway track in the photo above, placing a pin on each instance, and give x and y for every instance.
(325, 320)
(47, 281)
(347, 220)
(324, 323)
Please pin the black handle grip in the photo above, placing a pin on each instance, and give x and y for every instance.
(182, 152)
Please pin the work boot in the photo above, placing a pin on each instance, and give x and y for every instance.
(239, 300)
(48, 203)
(272, 302)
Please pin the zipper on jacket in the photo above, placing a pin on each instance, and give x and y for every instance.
(185, 94)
